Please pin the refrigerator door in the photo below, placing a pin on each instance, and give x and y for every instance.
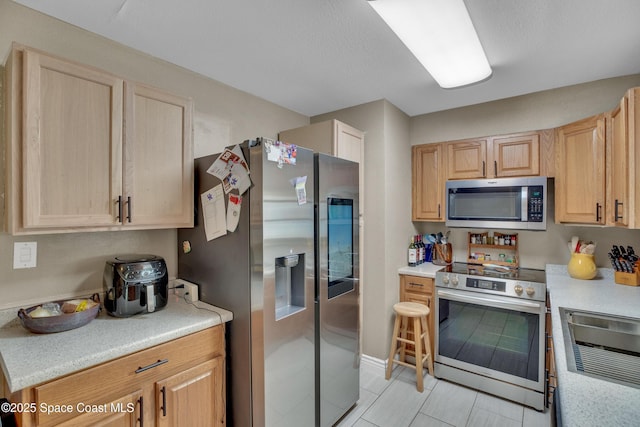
(337, 288)
(221, 269)
(282, 289)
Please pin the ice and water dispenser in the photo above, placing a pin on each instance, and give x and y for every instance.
(289, 285)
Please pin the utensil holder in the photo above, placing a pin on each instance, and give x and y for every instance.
(442, 253)
(582, 266)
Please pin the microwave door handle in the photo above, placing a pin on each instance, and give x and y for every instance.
(520, 305)
(524, 204)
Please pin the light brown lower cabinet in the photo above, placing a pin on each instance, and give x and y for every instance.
(180, 382)
(419, 289)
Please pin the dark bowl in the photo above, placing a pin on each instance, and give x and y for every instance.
(60, 323)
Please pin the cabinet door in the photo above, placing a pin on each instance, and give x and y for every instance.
(72, 144)
(158, 159)
(467, 159)
(516, 155)
(619, 157)
(195, 397)
(428, 186)
(420, 290)
(580, 172)
(348, 142)
(124, 412)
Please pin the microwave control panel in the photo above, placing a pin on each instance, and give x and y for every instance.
(535, 204)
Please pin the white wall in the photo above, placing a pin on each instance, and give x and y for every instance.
(73, 263)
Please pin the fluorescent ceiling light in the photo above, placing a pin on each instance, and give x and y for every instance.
(441, 35)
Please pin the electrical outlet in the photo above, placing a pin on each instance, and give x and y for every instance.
(189, 292)
(25, 254)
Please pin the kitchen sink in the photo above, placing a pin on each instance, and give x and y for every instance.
(602, 345)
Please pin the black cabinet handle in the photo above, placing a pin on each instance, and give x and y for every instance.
(141, 404)
(598, 206)
(153, 365)
(484, 169)
(617, 203)
(163, 390)
(119, 202)
(129, 208)
(438, 210)
(495, 168)
(416, 284)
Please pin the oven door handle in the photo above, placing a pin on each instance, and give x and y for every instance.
(520, 305)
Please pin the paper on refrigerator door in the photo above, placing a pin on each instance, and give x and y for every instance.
(300, 186)
(213, 214)
(237, 178)
(233, 212)
(231, 167)
(281, 152)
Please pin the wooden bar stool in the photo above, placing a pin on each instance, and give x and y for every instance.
(405, 312)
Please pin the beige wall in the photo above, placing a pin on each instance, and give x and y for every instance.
(387, 157)
(540, 110)
(73, 263)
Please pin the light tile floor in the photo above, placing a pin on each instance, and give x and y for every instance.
(397, 403)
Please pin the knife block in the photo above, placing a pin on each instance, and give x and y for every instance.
(629, 279)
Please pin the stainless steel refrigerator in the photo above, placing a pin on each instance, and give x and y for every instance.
(293, 344)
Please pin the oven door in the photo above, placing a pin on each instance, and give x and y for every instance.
(493, 336)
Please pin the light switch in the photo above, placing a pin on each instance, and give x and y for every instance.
(25, 254)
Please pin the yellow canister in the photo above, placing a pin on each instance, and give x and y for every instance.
(582, 266)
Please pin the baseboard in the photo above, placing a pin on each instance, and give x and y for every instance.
(374, 362)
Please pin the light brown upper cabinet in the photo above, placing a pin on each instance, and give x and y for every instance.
(617, 203)
(516, 155)
(580, 172)
(623, 159)
(467, 159)
(90, 151)
(494, 157)
(158, 159)
(72, 144)
(596, 166)
(427, 182)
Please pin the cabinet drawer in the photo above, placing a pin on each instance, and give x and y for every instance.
(417, 284)
(102, 383)
(418, 297)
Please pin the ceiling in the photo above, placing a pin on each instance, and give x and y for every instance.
(317, 56)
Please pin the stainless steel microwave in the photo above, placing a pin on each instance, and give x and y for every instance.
(509, 203)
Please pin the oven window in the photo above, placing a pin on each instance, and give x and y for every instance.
(494, 338)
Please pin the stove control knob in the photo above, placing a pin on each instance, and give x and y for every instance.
(454, 280)
(445, 279)
(518, 289)
(530, 291)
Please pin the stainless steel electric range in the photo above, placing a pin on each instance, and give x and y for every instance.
(491, 330)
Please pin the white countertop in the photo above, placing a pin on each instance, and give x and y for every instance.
(587, 401)
(28, 359)
(423, 270)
